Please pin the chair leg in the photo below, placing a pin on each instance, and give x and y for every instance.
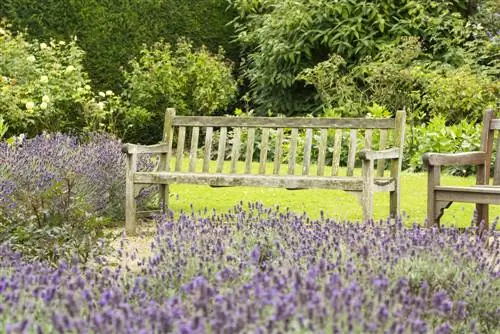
(367, 205)
(431, 210)
(394, 203)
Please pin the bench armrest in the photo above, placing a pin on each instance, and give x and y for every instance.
(391, 153)
(469, 158)
(134, 149)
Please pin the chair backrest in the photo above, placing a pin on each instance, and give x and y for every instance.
(260, 145)
(491, 124)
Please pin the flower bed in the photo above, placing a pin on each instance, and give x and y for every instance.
(264, 270)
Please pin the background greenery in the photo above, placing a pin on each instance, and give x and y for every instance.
(113, 32)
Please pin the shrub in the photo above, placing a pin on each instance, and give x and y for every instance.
(43, 84)
(283, 38)
(195, 82)
(57, 193)
(437, 136)
(400, 77)
(113, 32)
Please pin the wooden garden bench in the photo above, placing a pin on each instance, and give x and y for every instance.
(482, 193)
(280, 137)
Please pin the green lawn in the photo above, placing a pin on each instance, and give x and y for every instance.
(336, 204)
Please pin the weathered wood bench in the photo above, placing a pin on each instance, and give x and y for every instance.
(280, 137)
(482, 193)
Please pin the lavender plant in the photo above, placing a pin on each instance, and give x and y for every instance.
(58, 192)
(262, 270)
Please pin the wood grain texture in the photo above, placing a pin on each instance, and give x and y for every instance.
(323, 143)
(195, 133)
(285, 122)
(180, 148)
(292, 151)
(279, 181)
(278, 151)
(306, 164)
(382, 146)
(235, 150)
(207, 152)
(249, 150)
(221, 151)
(264, 148)
(351, 157)
(337, 147)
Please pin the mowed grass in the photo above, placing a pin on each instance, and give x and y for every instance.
(335, 204)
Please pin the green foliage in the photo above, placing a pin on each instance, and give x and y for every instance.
(400, 77)
(285, 37)
(51, 225)
(195, 82)
(43, 85)
(112, 32)
(437, 136)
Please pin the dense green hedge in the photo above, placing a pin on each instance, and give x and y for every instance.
(113, 31)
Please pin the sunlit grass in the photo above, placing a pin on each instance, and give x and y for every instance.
(335, 204)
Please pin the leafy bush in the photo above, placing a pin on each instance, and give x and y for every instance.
(58, 192)
(285, 37)
(195, 82)
(112, 32)
(437, 136)
(43, 85)
(400, 77)
(259, 269)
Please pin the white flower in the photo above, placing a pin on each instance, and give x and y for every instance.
(44, 79)
(43, 46)
(101, 94)
(45, 99)
(109, 92)
(43, 105)
(62, 43)
(31, 58)
(87, 87)
(70, 69)
(2, 32)
(100, 105)
(30, 105)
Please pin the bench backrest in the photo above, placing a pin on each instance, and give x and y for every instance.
(259, 145)
(490, 125)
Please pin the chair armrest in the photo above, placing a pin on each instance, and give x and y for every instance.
(134, 149)
(469, 158)
(391, 153)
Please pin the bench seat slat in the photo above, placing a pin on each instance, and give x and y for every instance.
(280, 181)
(474, 194)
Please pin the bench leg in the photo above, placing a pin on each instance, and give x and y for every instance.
(164, 197)
(367, 194)
(130, 210)
(130, 204)
(482, 211)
